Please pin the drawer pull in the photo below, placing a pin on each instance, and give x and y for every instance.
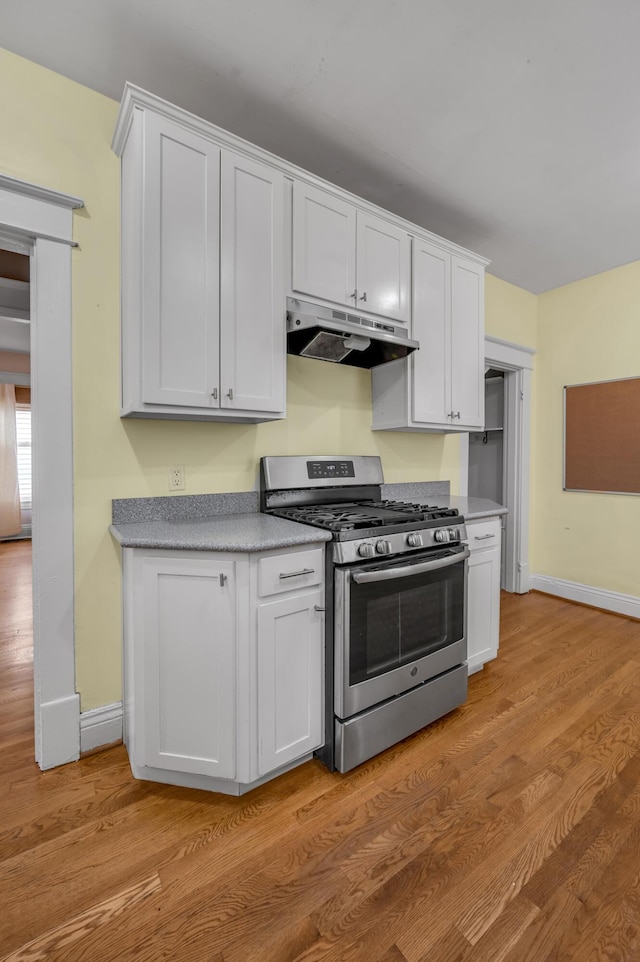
(318, 608)
(483, 537)
(296, 574)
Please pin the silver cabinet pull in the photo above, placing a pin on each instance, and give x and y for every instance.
(230, 394)
(296, 574)
(223, 579)
(364, 296)
(214, 394)
(483, 537)
(354, 295)
(318, 608)
(458, 415)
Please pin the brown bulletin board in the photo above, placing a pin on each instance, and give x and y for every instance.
(602, 437)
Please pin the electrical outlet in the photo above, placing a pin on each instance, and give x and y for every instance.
(176, 477)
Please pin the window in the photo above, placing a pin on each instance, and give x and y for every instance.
(23, 437)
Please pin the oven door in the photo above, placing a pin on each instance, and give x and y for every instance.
(397, 624)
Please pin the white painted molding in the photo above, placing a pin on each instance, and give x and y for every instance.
(100, 727)
(23, 187)
(59, 734)
(39, 222)
(507, 353)
(135, 98)
(587, 595)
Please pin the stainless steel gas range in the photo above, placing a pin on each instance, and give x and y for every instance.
(396, 588)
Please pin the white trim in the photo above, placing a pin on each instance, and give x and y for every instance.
(100, 727)
(517, 355)
(40, 222)
(587, 595)
(43, 194)
(135, 98)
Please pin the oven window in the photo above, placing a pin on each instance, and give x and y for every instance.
(399, 621)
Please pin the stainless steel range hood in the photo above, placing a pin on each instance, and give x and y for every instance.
(343, 337)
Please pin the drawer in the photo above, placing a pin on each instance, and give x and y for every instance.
(483, 534)
(286, 572)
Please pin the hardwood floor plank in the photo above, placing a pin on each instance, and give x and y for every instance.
(507, 831)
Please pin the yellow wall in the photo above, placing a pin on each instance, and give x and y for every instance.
(511, 313)
(587, 331)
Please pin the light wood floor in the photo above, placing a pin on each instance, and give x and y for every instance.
(509, 830)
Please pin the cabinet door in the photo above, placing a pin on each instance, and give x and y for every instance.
(383, 268)
(252, 298)
(290, 681)
(431, 365)
(323, 245)
(180, 285)
(187, 655)
(483, 608)
(467, 343)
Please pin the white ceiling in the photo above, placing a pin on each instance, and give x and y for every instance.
(508, 126)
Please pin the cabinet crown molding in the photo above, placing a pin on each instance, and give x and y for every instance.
(135, 97)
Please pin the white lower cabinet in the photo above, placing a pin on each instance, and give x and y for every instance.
(290, 654)
(223, 664)
(187, 650)
(483, 587)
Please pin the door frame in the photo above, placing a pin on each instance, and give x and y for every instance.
(516, 361)
(39, 222)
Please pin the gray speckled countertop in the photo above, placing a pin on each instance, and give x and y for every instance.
(470, 508)
(232, 522)
(230, 532)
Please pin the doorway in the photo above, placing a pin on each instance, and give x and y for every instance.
(513, 363)
(38, 222)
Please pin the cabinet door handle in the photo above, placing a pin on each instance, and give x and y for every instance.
(458, 415)
(483, 537)
(318, 608)
(214, 394)
(296, 574)
(354, 295)
(230, 394)
(364, 296)
(223, 579)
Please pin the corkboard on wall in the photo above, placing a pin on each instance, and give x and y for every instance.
(602, 437)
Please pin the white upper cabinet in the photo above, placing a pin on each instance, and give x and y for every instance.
(203, 300)
(180, 272)
(383, 268)
(252, 299)
(441, 386)
(348, 256)
(467, 342)
(324, 245)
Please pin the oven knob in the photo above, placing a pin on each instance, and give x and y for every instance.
(414, 540)
(383, 547)
(366, 550)
(447, 534)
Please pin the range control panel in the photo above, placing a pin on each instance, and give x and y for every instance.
(330, 469)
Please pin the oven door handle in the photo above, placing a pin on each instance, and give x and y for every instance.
(389, 574)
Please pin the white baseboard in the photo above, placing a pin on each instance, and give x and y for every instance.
(100, 726)
(59, 741)
(587, 595)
